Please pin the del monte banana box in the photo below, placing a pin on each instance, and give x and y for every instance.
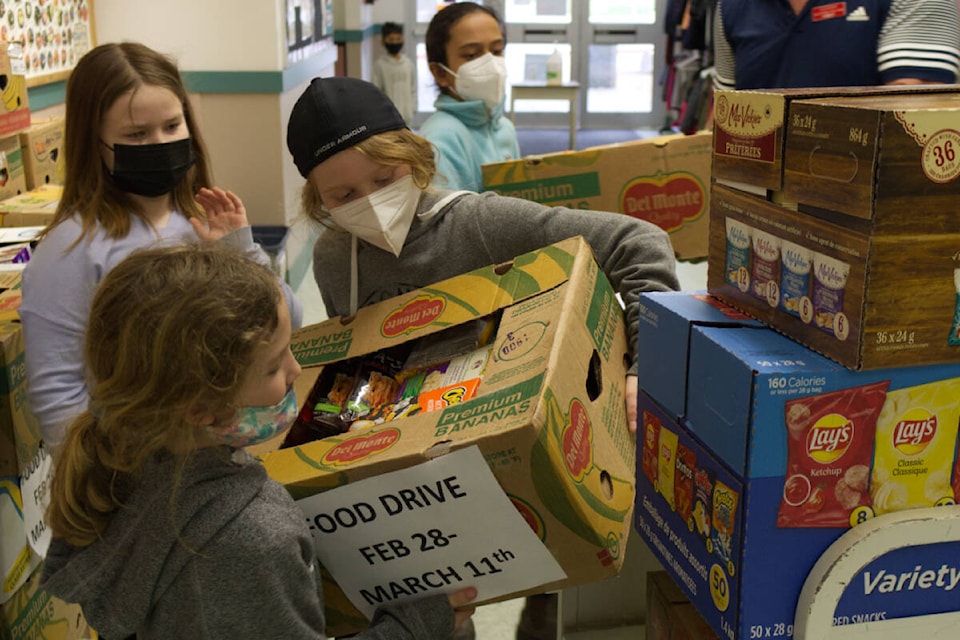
(42, 145)
(14, 108)
(32, 613)
(32, 208)
(549, 416)
(663, 180)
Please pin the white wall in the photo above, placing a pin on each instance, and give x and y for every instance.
(204, 35)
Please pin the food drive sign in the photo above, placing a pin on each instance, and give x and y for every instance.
(438, 527)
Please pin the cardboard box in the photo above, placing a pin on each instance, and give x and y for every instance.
(750, 130)
(33, 208)
(661, 180)
(14, 104)
(735, 454)
(12, 178)
(670, 614)
(668, 338)
(33, 613)
(866, 300)
(551, 399)
(42, 145)
(17, 558)
(889, 162)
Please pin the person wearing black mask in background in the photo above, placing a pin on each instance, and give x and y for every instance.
(394, 73)
(136, 174)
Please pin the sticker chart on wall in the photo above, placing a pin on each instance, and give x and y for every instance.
(55, 35)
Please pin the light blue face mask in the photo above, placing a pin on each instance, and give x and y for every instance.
(257, 424)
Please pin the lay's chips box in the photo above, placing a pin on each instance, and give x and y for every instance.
(790, 451)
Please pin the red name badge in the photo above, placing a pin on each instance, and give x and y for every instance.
(829, 11)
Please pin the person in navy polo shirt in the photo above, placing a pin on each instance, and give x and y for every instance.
(824, 43)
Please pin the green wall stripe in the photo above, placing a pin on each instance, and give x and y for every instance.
(355, 35)
(46, 95)
(54, 93)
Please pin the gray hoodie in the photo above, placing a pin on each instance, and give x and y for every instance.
(233, 559)
(477, 230)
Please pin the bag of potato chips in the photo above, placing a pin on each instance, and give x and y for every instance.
(829, 450)
(916, 447)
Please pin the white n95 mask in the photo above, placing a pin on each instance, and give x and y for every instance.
(382, 218)
(483, 78)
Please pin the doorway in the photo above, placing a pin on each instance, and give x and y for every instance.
(613, 48)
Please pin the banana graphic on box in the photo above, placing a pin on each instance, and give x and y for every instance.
(12, 91)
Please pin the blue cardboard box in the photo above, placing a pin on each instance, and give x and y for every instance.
(745, 577)
(804, 450)
(666, 321)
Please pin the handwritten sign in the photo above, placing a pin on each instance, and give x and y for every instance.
(34, 488)
(433, 528)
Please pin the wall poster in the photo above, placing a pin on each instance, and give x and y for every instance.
(55, 34)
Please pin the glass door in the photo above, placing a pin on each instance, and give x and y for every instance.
(613, 48)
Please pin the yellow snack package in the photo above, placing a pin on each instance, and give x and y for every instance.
(916, 440)
(666, 465)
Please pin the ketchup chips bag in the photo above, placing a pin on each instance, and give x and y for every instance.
(829, 452)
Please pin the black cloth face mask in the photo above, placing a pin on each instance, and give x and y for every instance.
(393, 48)
(151, 170)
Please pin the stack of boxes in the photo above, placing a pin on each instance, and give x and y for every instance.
(29, 156)
(815, 386)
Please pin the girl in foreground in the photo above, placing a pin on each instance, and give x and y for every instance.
(163, 526)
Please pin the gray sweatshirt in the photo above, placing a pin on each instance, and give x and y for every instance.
(232, 559)
(477, 230)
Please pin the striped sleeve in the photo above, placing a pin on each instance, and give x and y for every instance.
(724, 60)
(920, 39)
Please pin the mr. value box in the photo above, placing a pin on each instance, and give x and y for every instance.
(887, 163)
(663, 180)
(752, 127)
(867, 300)
(549, 416)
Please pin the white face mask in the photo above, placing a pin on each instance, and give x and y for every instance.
(482, 79)
(382, 218)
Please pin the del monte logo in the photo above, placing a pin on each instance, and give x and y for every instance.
(359, 447)
(413, 315)
(667, 200)
(576, 440)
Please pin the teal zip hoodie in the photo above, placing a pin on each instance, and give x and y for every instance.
(466, 136)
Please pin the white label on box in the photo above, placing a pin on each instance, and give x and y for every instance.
(437, 527)
(34, 488)
(13, 235)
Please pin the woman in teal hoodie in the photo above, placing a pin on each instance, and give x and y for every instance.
(465, 51)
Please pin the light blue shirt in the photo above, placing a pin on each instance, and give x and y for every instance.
(58, 287)
(466, 136)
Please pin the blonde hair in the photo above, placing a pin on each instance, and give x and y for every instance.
(101, 77)
(172, 331)
(392, 148)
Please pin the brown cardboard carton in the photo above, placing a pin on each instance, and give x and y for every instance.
(12, 178)
(750, 130)
(34, 613)
(550, 417)
(670, 615)
(33, 208)
(42, 145)
(890, 163)
(662, 180)
(14, 105)
(866, 300)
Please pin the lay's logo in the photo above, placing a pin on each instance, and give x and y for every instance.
(829, 438)
(414, 315)
(914, 431)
